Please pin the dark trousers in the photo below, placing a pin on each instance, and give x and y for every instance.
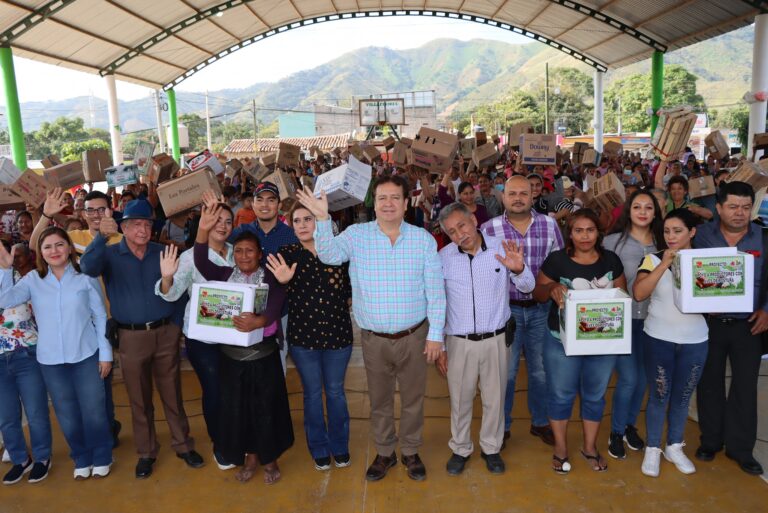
(731, 420)
(205, 361)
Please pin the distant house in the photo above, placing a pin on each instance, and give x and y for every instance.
(239, 148)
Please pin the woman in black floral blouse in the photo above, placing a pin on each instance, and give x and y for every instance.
(320, 338)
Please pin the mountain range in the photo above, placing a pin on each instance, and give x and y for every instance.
(463, 74)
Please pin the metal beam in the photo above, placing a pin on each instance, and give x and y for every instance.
(600, 66)
(762, 5)
(36, 17)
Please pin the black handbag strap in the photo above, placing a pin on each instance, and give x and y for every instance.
(764, 270)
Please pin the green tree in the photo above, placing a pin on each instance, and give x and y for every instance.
(74, 150)
(736, 118)
(5, 137)
(196, 128)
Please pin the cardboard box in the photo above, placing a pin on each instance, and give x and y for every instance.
(50, 161)
(162, 168)
(142, 157)
(9, 200)
(516, 130)
(434, 150)
(286, 186)
(702, 186)
(66, 175)
(336, 151)
(608, 192)
(288, 155)
(760, 206)
(346, 185)
(257, 171)
(186, 192)
(578, 152)
(713, 280)
(717, 145)
(9, 173)
(467, 147)
(213, 305)
(122, 174)
(485, 155)
(399, 154)
(31, 187)
(357, 151)
(613, 149)
(407, 141)
(235, 164)
(760, 140)
(206, 159)
(388, 143)
(269, 160)
(371, 153)
(94, 164)
(672, 132)
(591, 156)
(596, 321)
(750, 173)
(538, 149)
(481, 138)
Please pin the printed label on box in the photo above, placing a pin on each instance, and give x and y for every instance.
(718, 276)
(598, 321)
(217, 307)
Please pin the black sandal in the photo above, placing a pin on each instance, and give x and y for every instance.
(596, 458)
(565, 465)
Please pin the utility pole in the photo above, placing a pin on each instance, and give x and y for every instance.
(255, 129)
(159, 119)
(618, 122)
(546, 97)
(207, 121)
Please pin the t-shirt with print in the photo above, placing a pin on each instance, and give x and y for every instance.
(560, 268)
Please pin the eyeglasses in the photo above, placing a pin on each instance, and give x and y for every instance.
(93, 211)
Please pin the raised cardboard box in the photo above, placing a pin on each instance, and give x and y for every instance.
(516, 130)
(66, 175)
(672, 132)
(399, 154)
(122, 174)
(288, 155)
(481, 138)
(591, 156)
(213, 305)
(434, 150)
(702, 186)
(407, 141)
(713, 280)
(596, 321)
(31, 187)
(186, 192)
(94, 164)
(286, 186)
(50, 161)
(578, 152)
(608, 191)
(357, 150)
(9, 200)
(371, 153)
(9, 173)
(750, 173)
(206, 159)
(760, 141)
(613, 149)
(389, 143)
(162, 168)
(269, 160)
(466, 147)
(142, 157)
(257, 171)
(717, 145)
(538, 149)
(485, 155)
(346, 185)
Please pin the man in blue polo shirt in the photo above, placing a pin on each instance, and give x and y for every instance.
(149, 340)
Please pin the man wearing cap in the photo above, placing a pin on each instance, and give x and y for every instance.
(149, 341)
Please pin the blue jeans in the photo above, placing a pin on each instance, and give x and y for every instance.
(205, 361)
(77, 393)
(673, 372)
(631, 383)
(22, 383)
(530, 334)
(324, 369)
(568, 376)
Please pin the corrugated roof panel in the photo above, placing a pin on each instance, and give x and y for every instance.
(587, 33)
(621, 45)
(275, 13)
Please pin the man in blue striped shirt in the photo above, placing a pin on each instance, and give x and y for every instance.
(399, 302)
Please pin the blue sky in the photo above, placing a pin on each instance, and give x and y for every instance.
(278, 56)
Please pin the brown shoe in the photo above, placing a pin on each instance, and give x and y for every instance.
(416, 469)
(545, 433)
(380, 466)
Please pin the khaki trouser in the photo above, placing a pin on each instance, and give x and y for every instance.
(148, 354)
(387, 362)
(468, 361)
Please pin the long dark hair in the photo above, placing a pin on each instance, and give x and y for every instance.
(584, 213)
(42, 265)
(624, 224)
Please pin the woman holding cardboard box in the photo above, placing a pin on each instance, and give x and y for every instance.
(583, 264)
(674, 358)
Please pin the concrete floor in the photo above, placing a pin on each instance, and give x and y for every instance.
(528, 484)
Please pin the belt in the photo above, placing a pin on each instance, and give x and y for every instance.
(524, 303)
(145, 326)
(727, 320)
(399, 334)
(482, 336)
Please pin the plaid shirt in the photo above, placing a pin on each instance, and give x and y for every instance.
(394, 287)
(542, 238)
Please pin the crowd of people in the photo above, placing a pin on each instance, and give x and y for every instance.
(467, 271)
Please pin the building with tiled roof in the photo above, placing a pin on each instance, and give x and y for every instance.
(238, 148)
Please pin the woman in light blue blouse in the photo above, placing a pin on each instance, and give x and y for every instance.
(72, 351)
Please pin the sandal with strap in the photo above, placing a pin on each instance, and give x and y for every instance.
(565, 465)
(597, 467)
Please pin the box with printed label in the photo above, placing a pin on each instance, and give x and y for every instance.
(269, 160)
(9, 173)
(434, 150)
(9, 200)
(286, 186)
(206, 159)
(701, 186)
(66, 175)
(288, 155)
(345, 185)
(516, 130)
(162, 168)
(186, 192)
(608, 191)
(50, 161)
(538, 149)
(596, 321)
(713, 280)
(122, 174)
(485, 155)
(717, 145)
(213, 305)
(94, 164)
(31, 187)
(466, 147)
(591, 156)
(371, 153)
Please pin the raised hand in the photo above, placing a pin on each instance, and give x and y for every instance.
(107, 226)
(277, 266)
(318, 206)
(210, 199)
(513, 258)
(6, 259)
(209, 217)
(169, 261)
(54, 202)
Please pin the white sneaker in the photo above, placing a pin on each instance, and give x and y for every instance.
(674, 454)
(82, 473)
(651, 461)
(102, 471)
(6, 456)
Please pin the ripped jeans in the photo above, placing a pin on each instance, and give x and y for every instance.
(673, 371)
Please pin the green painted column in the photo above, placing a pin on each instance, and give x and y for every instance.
(174, 121)
(657, 86)
(12, 108)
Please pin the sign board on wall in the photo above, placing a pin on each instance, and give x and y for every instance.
(380, 112)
